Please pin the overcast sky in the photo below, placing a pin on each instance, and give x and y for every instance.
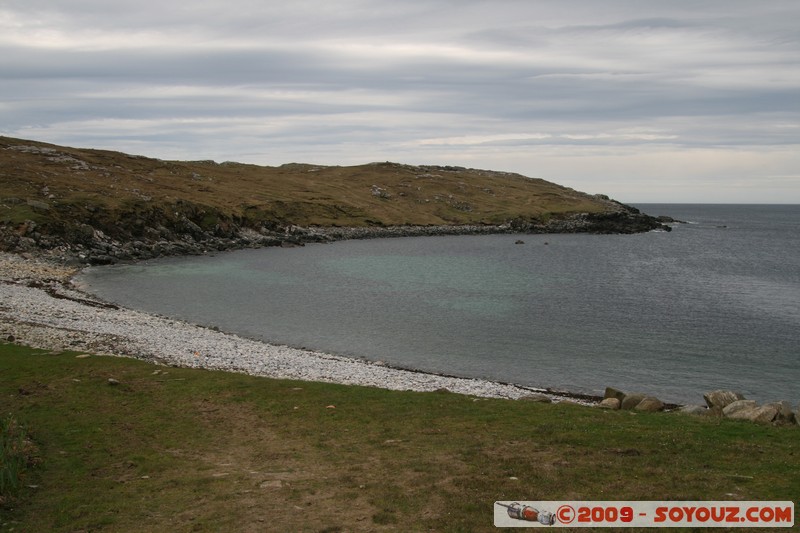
(646, 101)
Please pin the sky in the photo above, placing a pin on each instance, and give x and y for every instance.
(645, 101)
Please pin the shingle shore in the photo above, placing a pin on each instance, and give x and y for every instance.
(40, 308)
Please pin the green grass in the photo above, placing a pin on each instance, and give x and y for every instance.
(193, 450)
(17, 455)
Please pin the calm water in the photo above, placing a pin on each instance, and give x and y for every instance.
(713, 304)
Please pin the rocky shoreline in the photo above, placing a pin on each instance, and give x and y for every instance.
(90, 245)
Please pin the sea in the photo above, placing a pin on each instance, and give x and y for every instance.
(713, 304)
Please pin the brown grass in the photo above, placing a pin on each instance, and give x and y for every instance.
(41, 181)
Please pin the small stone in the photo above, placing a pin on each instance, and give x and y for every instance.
(82, 356)
(330, 407)
(113, 382)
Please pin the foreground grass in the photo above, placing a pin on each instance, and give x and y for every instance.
(191, 450)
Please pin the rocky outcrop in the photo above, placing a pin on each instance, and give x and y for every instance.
(735, 406)
(719, 403)
(192, 230)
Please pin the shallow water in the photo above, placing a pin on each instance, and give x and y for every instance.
(713, 304)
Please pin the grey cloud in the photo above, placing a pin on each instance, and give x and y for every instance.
(511, 82)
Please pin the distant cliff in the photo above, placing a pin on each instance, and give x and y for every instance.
(101, 207)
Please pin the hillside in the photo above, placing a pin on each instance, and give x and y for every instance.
(103, 206)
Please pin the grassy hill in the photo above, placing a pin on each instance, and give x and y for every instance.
(60, 196)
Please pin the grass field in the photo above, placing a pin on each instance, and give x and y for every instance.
(170, 449)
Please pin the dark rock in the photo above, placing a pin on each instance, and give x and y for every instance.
(632, 400)
(611, 392)
(102, 259)
(785, 414)
(650, 405)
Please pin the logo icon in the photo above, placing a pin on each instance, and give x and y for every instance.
(527, 513)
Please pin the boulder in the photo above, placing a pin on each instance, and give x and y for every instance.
(632, 400)
(611, 392)
(763, 415)
(746, 413)
(650, 405)
(739, 405)
(609, 403)
(785, 414)
(721, 398)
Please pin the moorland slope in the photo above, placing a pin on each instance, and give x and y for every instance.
(101, 206)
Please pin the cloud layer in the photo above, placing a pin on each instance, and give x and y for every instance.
(642, 100)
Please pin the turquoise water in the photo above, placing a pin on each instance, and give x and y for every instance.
(713, 304)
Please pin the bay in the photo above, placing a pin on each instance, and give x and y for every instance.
(713, 304)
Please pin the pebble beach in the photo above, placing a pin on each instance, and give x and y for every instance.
(42, 308)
